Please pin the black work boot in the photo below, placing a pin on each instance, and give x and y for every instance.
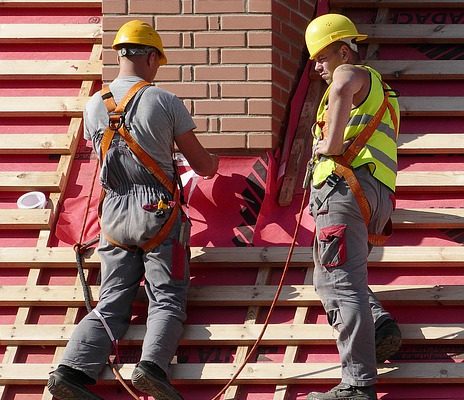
(343, 391)
(151, 379)
(66, 383)
(387, 340)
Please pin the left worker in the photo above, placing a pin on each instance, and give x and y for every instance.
(144, 230)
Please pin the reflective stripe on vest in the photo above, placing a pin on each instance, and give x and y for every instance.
(380, 152)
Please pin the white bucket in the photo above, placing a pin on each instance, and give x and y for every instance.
(32, 200)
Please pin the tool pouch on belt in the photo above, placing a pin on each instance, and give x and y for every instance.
(116, 114)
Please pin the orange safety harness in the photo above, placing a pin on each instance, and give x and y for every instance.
(116, 113)
(343, 163)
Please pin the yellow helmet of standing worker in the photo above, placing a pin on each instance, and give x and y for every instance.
(139, 33)
(327, 29)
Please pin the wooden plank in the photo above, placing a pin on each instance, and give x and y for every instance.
(232, 334)
(247, 257)
(30, 143)
(232, 296)
(413, 33)
(435, 106)
(25, 219)
(50, 69)
(419, 69)
(39, 106)
(428, 218)
(29, 181)
(50, 3)
(397, 3)
(254, 373)
(431, 143)
(50, 33)
(432, 181)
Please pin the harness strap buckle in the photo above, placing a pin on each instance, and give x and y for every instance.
(116, 120)
(333, 179)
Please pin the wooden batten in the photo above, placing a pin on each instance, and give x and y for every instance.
(54, 33)
(396, 3)
(231, 334)
(50, 69)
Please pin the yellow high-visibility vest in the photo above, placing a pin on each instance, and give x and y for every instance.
(380, 151)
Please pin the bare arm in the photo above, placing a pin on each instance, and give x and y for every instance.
(201, 161)
(348, 82)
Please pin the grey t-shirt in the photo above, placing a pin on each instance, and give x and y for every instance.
(154, 117)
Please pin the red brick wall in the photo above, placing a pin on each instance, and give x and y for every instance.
(233, 62)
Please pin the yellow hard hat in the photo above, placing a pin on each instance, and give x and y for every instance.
(327, 29)
(140, 33)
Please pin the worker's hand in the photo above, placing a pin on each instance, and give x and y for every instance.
(215, 161)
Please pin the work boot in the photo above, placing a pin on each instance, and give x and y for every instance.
(387, 340)
(151, 379)
(66, 383)
(343, 391)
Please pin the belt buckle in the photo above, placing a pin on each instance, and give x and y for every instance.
(332, 180)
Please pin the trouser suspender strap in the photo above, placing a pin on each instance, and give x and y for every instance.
(117, 124)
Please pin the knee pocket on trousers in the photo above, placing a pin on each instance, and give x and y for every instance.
(332, 245)
(334, 318)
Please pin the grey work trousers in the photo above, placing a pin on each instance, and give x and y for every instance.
(166, 272)
(341, 250)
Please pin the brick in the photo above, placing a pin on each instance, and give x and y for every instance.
(260, 106)
(213, 22)
(171, 39)
(109, 57)
(187, 73)
(114, 7)
(220, 73)
(107, 39)
(154, 6)
(186, 89)
(188, 105)
(113, 23)
(298, 20)
(223, 141)
(259, 72)
(168, 73)
(109, 73)
(187, 7)
(219, 39)
(261, 141)
(246, 22)
(307, 8)
(245, 124)
(281, 43)
(201, 123)
(246, 89)
(221, 6)
(214, 56)
(241, 56)
(214, 90)
(213, 124)
(260, 6)
(184, 23)
(280, 11)
(281, 79)
(187, 56)
(187, 40)
(216, 107)
(259, 39)
(292, 34)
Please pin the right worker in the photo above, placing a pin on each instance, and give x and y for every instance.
(354, 167)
